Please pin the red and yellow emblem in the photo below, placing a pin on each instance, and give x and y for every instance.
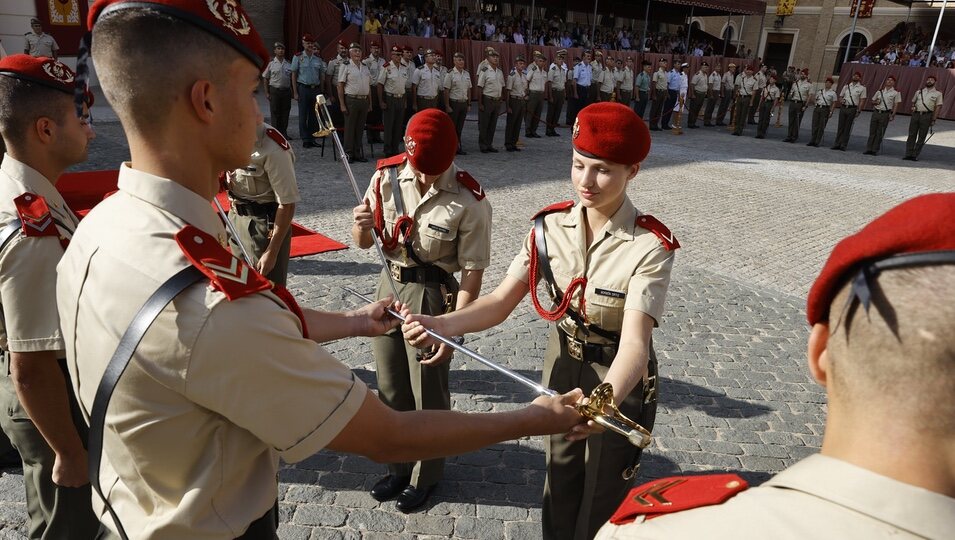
(231, 17)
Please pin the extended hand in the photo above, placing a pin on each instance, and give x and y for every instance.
(374, 319)
(266, 262)
(557, 414)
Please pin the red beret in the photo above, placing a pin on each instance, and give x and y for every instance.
(805, 71)
(611, 131)
(343, 43)
(830, 79)
(407, 49)
(396, 49)
(859, 73)
(40, 70)
(918, 225)
(224, 19)
(431, 141)
(308, 37)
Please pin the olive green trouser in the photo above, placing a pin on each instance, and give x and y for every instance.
(725, 103)
(487, 121)
(585, 479)
(254, 234)
(355, 125)
(820, 117)
(742, 112)
(918, 131)
(795, 118)
(711, 103)
(55, 512)
(403, 383)
(765, 111)
(553, 110)
(515, 116)
(459, 113)
(535, 106)
(394, 120)
(847, 117)
(695, 105)
(877, 125)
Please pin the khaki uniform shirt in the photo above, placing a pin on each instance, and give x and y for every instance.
(926, 100)
(597, 70)
(452, 229)
(187, 454)
(393, 78)
(659, 79)
(728, 82)
(800, 91)
(607, 80)
(825, 98)
(410, 68)
(278, 73)
(30, 322)
(374, 66)
(270, 175)
(334, 66)
(357, 79)
(885, 99)
(491, 80)
(746, 85)
(761, 80)
(771, 93)
(713, 82)
(700, 83)
(517, 84)
(40, 45)
(557, 75)
(626, 266)
(852, 94)
(536, 78)
(458, 85)
(819, 497)
(625, 79)
(428, 81)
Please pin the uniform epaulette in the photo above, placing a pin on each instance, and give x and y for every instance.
(655, 226)
(556, 207)
(393, 161)
(228, 274)
(468, 181)
(278, 138)
(484, 68)
(385, 64)
(35, 216)
(675, 494)
(513, 71)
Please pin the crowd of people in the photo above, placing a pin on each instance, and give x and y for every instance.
(909, 46)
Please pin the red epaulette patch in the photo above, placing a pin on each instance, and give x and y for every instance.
(392, 161)
(278, 138)
(385, 64)
(228, 274)
(35, 216)
(655, 226)
(675, 494)
(468, 181)
(556, 207)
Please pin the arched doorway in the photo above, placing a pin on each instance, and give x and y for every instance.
(728, 33)
(859, 42)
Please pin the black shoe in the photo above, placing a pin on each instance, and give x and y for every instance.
(652, 128)
(308, 144)
(412, 498)
(390, 486)
(552, 134)
(760, 136)
(707, 125)
(511, 148)
(534, 136)
(868, 153)
(493, 150)
(835, 148)
(461, 152)
(362, 160)
(719, 124)
(909, 158)
(752, 123)
(737, 134)
(787, 140)
(693, 127)
(484, 150)
(11, 460)
(811, 144)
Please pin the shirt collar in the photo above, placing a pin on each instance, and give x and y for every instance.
(171, 197)
(620, 224)
(31, 178)
(445, 182)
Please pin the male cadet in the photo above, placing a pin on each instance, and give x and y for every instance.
(490, 85)
(714, 79)
(457, 96)
(442, 71)
(674, 84)
(926, 105)
(571, 92)
(799, 93)
(354, 93)
(727, 93)
(745, 98)
(556, 85)
(308, 76)
(515, 95)
(699, 89)
(425, 83)
(884, 103)
(374, 63)
(331, 82)
(597, 69)
(641, 87)
(851, 103)
(186, 451)
(625, 81)
(391, 83)
(761, 80)
(659, 83)
(407, 56)
(39, 43)
(536, 88)
(607, 82)
(263, 196)
(769, 99)
(583, 80)
(278, 89)
(881, 344)
(825, 103)
(43, 136)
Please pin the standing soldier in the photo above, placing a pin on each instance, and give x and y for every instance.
(745, 98)
(43, 136)
(597, 69)
(607, 82)
(770, 98)
(490, 84)
(308, 78)
(442, 71)
(457, 96)
(354, 93)
(391, 88)
(571, 95)
(926, 105)
(278, 89)
(331, 83)
(625, 82)
(884, 104)
(374, 63)
(556, 86)
(659, 83)
(712, 95)
(851, 103)
(699, 89)
(263, 195)
(38, 43)
(583, 80)
(799, 94)
(641, 88)
(761, 79)
(407, 60)
(537, 88)
(425, 84)
(515, 95)
(727, 93)
(825, 104)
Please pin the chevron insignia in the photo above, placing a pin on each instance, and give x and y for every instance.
(655, 226)
(675, 494)
(228, 274)
(35, 215)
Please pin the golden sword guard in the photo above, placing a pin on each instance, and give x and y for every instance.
(602, 409)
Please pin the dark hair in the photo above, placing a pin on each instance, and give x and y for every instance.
(646, 63)
(22, 103)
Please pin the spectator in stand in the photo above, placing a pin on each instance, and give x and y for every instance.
(372, 25)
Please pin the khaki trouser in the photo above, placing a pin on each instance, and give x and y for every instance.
(820, 117)
(427, 103)
(403, 383)
(877, 126)
(394, 119)
(711, 103)
(765, 111)
(847, 117)
(625, 97)
(553, 110)
(535, 106)
(355, 125)
(55, 512)
(725, 103)
(515, 115)
(280, 104)
(795, 118)
(585, 483)
(656, 110)
(742, 113)
(696, 104)
(254, 230)
(487, 121)
(918, 131)
(459, 112)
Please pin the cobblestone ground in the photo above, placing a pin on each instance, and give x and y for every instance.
(756, 219)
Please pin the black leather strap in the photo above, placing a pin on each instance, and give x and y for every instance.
(117, 365)
(9, 232)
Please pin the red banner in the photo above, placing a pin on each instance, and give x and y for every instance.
(865, 11)
(65, 20)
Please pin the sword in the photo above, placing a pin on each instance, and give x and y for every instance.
(233, 233)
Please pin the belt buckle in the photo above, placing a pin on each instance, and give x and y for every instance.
(575, 349)
(395, 271)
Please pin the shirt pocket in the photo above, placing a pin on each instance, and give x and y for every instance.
(438, 239)
(606, 306)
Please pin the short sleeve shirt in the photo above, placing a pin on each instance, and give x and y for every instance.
(278, 73)
(886, 99)
(927, 100)
(852, 95)
(728, 81)
(40, 45)
(517, 84)
(393, 77)
(356, 78)
(536, 78)
(491, 80)
(458, 85)
(825, 98)
(557, 75)
(714, 81)
(374, 66)
(660, 79)
(428, 81)
(800, 91)
(270, 175)
(308, 69)
(700, 82)
(607, 81)
(747, 85)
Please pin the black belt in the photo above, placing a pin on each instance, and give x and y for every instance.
(850, 106)
(354, 96)
(396, 96)
(308, 85)
(921, 112)
(458, 100)
(797, 101)
(491, 98)
(882, 111)
(417, 274)
(588, 353)
(250, 208)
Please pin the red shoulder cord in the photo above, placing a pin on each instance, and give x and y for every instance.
(561, 309)
(402, 227)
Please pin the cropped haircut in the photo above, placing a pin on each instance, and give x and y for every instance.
(22, 103)
(147, 60)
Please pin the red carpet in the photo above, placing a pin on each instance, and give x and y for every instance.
(84, 190)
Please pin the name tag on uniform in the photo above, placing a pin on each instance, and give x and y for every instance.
(438, 228)
(611, 294)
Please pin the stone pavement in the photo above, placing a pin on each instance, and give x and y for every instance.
(756, 219)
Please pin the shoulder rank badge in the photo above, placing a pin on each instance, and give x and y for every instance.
(228, 274)
(278, 138)
(677, 493)
(35, 215)
(654, 225)
(471, 184)
(556, 207)
(393, 161)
